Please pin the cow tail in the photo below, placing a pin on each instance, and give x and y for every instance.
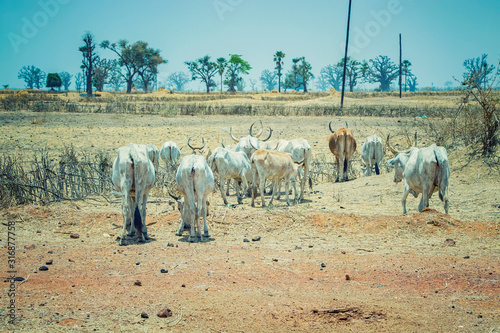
(377, 170)
(137, 213)
(138, 220)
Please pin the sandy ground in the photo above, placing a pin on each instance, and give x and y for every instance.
(344, 260)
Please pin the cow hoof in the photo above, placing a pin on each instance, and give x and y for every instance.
(207, 235)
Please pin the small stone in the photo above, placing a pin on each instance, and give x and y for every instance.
(347, 277)
(183, 286)
(50, 252)
(170, 244)
(138, 283)
(466, 257)
(449, 242)
(298, 247)
(323, 265)
(246, 240)
(256, 239)
(49, 262)
(479, 316)
(343, 252)
(165, 313)
(137, 263)
(144, 315)
(163, 271)
(74, 236)
(276, 260)
(43, 268)
(18, 278)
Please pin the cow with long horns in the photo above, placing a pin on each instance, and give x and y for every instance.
(425, 170)
(343, 145)
(247, 143)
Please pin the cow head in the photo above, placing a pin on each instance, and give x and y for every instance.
(399, 163)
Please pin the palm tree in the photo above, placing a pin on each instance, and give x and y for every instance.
(278, 59)
(405, 66)
(221, 67)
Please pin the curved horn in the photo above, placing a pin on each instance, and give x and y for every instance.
(251, 144)
(330, 127)
(270, 133)
(173, 196)
(197, 148)
(232, 136)
(190, 145)
(300, 162)
(260, 132)
(391, 148)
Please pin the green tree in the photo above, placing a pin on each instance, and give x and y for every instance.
(352, 71)
(33, 76)
(147, 62)
(268, 79)
(301, 70)
(53, 81)
(136, 59)
(221, 67)
(66, 79)
(203, 69)
(90, 57)
(235, 67)
(384, 71)
(278, 60)
(102, 71)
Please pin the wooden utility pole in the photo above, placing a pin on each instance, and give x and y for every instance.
(345, 55)
(400, 66)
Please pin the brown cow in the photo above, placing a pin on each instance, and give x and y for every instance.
(342, 145)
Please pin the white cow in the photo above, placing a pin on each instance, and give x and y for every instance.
(195, 181)
(425, 171)
(300, 151)
(248, 143)
(372, 154)
(153, 154)
(231, 165)
(133, 177)
(275, 166)
(170, 153)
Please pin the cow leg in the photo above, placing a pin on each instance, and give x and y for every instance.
(140, 204)
(126, 216)
(205, 226)
(227, 186)
(406, 191)
(338, 169)
(262, 185)
(287, 189)
(242, 188)
(426, 194)
(143, 215)
(222, 192)
(276, 184)
(345, 174)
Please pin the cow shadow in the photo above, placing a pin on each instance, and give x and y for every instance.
(185, 239)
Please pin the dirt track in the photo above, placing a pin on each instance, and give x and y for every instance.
(344, 260)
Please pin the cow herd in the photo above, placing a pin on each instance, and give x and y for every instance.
(252, 163)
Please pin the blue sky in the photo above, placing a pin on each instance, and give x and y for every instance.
(437, 35)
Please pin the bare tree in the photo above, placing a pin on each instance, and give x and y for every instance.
(479, 69)
(33, 76)
(66, 79)
(178, 80)
(79, 79)
(268, 79)
(90, 57)
(332, 74)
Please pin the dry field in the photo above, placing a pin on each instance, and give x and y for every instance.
(345, 260)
